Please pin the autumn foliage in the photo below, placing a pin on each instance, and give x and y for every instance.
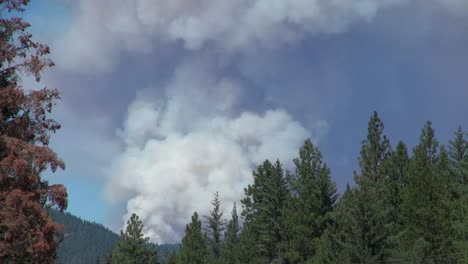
(27, 233)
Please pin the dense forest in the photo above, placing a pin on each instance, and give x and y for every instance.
(404, 207)
(85, 241)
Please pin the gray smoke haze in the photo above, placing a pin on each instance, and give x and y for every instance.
(140, 26)
(190, 137)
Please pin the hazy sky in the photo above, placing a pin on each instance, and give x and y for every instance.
(165, 102)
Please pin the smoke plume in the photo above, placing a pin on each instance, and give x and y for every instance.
(180, 151)
(192, 139)
(140, 26)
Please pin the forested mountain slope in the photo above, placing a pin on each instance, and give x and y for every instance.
(85, 241)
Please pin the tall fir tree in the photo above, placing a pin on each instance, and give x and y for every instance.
(395, 178)
(134, 248)
(347, 226)
(171, 258)
(230, 244)
(193, 249)
(308, 212)
(247, 251)
(458, 155)
(375, 150)
(396, 171)
(215, 228)
(427, 207)
(366, 230)
(458, 151)
(263, 211)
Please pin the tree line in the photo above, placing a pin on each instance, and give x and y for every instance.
(402, 208)
(83, 241)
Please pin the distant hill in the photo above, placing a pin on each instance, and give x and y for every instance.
(85, 241)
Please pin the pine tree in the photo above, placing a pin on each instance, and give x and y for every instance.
(427, 209)
(231, 239)
(171, 258)
(396, 171)
(347, 227)
(215, 228)
(463, 227)
(247, 251)
(324, 249)
(464, 168)
(458, 155)
(133, 248)
(375, 150)
(109, 258)
(193, 249)
(458, 150)
(368, 205)
(263, 210)
(308, 212)
(395, 179)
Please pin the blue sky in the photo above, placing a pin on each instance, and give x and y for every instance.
(166, 102)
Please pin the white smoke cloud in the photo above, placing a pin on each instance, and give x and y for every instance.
(178, 154)
(103, 28)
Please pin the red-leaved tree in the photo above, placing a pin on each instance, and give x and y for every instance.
(27, 233)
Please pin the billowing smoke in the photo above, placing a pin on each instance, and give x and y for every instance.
(183, 145)
(180, 151)
(104, 28)
(111, 26)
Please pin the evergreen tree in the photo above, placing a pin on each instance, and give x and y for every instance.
(375, 150)
(308, 212)
(366, 226)
(458, 151)
(109, 258)
(171, 258)
(348, 231)
(263, 211)
(395, 179)
(396, 171)
(247, 251)
(84, 241)
(324, 249)
(427, 209)
(193, 249)
(133, 248)
(231, 238)
(216, 226)
(458, 155)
